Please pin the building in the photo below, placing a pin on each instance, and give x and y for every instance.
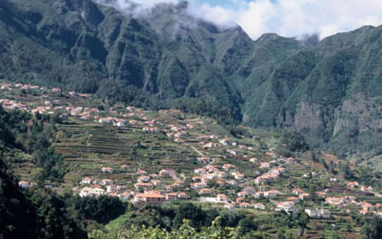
(111, 188)
(149, 198)
(93, 191)
(124, 195)
(318, 213)
(271, 194)
(229, 206)
(260, 206)
(287, 206)
(143, 179)
(238, 176)
(205, 191)
(86, 180)
(352, 184)
(249, 190)
(182, 195)
(142, 185)
(24, 184)
(293, 199)
(164, 173)
(125, 167)
(297, 191)
(171, 196)
(304, 196)
(265, 165)
(244, 205)
(156, 182)
(228, 167)
(107, 170)
(105, 182)
(222, 198)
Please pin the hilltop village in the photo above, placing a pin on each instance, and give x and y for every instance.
(149, 157)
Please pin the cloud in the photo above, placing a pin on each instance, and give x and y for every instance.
(293, 18)
(289, 18)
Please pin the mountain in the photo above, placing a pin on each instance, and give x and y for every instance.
(329, 91)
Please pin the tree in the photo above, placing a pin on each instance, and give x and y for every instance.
(191, 212)
(302, 221)
(294, 141)
(372, 229)
(246, 225)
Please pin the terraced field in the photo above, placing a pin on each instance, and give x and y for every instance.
(87, 147)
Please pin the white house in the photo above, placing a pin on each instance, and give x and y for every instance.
(86, 180)
(24, 184)
(92, 192)
(260, 206)
(318, 213)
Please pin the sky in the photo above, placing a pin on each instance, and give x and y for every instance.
(288, 18)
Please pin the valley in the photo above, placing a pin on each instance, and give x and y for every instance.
(171, 157)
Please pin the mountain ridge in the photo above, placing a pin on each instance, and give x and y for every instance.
(168, 54)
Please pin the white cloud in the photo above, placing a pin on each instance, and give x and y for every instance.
(297, 17)
(288, 18)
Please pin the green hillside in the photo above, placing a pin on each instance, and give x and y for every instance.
(329, 91)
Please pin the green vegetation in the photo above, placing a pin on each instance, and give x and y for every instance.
(327, 90)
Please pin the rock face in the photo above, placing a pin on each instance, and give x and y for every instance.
(329, 90)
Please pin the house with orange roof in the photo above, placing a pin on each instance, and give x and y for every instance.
(260, 206)
(200, 171)
(125, 167)
(149, 198)
(124, 195)
(220, 182)
(86, 180)
(352, 184)
(366, 206)
(171, 196)
(143, 185)
(238, 175)
(169, 188)
(240, 200)
(164, 173)
(222, 198)
(242, 194)
(334, 200)
(141, 172)
(156, 182)
(263, 179)
(304, 196)
(205, 191)
(271, 194)
(182, 195)
(229, 167)
(107, 170)
(229, 206)
(321, 194)
(293, 199)
(106, 182)
(143, 179)
(244, 205)
(111, 188)
(297, 191)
